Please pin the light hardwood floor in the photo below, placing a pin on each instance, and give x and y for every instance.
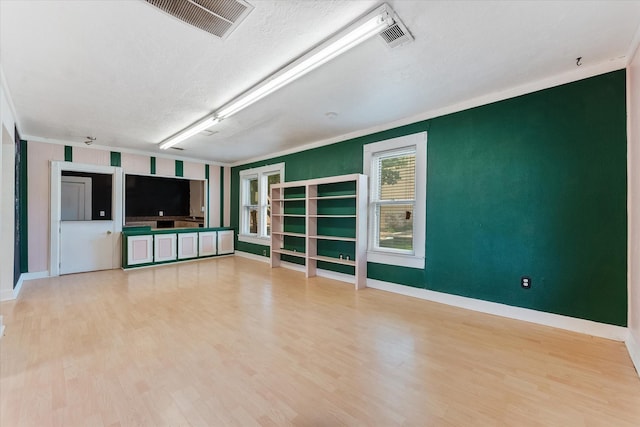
(232, 342)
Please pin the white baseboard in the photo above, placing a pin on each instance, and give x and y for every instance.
(334, 275)
(633, 346)
(11, 294)
(603, 330)
(293, 266)
(341, 277)
(252, 256)
(35, 275)
(18, 288)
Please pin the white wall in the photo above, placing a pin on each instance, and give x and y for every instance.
(633, 206)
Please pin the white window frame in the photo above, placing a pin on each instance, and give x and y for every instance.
(261, 173)
(371, 152)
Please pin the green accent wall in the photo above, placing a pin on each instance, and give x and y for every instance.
(116, 159)
(24, 209)
(530, 186)
(222, 201)
(179, 168)
(152, 165)
(68, 153)
(206, 176)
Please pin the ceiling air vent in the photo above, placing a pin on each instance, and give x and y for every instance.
(218, 17)
(397, 34)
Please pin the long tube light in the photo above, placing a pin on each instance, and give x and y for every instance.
(362, 32)
(372, 24)
(189, 132)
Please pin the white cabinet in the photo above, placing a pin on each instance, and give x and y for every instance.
(139, 250)
(321, 220)
(225, 242)
(187, 245)
(164, 246)
(160, 246)
(207, 243)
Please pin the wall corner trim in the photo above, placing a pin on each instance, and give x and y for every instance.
(633, 347)
(588, 327)
(13, 294)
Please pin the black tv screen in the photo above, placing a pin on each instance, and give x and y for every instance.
(148, 195)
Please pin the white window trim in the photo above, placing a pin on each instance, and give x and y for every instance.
(261, 173)
(417, 259)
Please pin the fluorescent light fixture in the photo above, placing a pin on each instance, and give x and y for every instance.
(189, 132)
(372, 25)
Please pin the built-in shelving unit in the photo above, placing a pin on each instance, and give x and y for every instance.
(321, 223)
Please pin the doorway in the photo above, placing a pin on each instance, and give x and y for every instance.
(86, 217)
(75, 198)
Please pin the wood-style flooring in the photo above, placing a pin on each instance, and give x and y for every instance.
(232, 342)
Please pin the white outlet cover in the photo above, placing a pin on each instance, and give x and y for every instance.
(101, 213)
(161, 213)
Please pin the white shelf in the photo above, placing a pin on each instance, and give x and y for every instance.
(347, 196)
(334, 260)
(288, 252)
(288, 233)
(333, 216)
(338, 238)
(312, 189)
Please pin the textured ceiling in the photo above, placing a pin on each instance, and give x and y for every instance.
(131, 76)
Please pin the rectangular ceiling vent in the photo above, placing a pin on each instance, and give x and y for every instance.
(217, 17)
(397, 34)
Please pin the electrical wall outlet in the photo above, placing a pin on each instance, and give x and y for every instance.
(101, 213)
(161, 213)
(525, 282)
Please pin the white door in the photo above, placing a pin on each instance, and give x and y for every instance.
(86, 246)
(75, 198)
(90, 245)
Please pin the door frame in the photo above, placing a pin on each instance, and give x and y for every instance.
(56, 177)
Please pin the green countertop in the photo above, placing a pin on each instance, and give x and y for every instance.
(146, 230)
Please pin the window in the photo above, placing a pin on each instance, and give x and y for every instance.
(397, 170)
(255, 203)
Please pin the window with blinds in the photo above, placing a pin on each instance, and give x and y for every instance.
(255, 203)
(397, 170)
(251, 205)
(395, 199)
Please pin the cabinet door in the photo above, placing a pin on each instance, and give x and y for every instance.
(225, 242)
(164, 247)
(139, 250)
(207, 243)
(187, 245)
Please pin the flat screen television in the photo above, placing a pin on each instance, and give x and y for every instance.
(148, 195)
